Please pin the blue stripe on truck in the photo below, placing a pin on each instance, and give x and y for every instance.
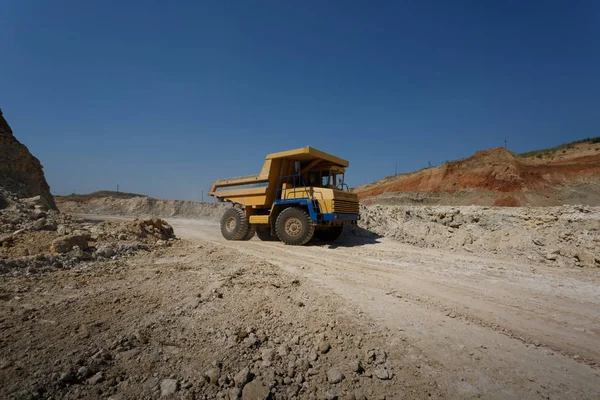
(339, 217)
(313, 215)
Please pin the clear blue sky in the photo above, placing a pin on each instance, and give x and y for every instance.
(164, 97)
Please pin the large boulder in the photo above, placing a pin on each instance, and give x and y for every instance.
(20, 172)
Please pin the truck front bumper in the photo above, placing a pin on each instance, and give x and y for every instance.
(340, 217)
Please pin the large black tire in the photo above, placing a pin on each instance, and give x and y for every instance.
(264, 234)
(294, 226)
(234, 224)
(330, 234)
(250, 234)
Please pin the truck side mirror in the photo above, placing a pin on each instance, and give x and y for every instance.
(297, 167)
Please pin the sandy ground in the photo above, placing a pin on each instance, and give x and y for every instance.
(451, 325)
(491, 327)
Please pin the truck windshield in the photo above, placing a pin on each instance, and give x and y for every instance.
(332, 180)
(338, 179)
(327, 179)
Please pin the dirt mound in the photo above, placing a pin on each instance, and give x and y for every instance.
(566, 236)
(499, 177)
(140, 206)
(20, 172)
(34, 239)
(148, 228)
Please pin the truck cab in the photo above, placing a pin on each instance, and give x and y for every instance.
(298, 194)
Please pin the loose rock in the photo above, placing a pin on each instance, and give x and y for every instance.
(334, 376)
(382, 373)
(168, 387)
(213, 375)
(324, 347)
(242, 377)
(356, 366)
(268, 354)
(97, 378)
(66, 244)
(255, 390)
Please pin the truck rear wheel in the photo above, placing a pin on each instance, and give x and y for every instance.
(250, 234)
(234, 224)
(330, 234)
(264, 234)
(294, 226)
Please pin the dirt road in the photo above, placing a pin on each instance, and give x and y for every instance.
(365, 318)
(490, 327)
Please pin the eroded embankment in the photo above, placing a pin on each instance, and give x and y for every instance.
(141, 207)
(497, 177)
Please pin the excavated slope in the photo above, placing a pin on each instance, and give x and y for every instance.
(20, 172)
(497, 177)
(141, 206)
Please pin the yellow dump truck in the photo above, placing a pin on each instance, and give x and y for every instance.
(298, 194)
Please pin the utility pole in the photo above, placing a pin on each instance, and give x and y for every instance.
(117, 188)
(505, 144)
(396, 169)
(203, 195)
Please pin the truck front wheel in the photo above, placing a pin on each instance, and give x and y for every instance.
(234, 224)
(294, 226)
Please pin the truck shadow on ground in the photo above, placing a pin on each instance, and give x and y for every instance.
(351, 237)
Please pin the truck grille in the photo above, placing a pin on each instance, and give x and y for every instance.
(345, 206)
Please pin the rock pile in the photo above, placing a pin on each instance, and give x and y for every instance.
(566, 236)
(35, 238)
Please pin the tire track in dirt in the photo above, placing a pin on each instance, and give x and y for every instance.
(455, 298)
(487, 326)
